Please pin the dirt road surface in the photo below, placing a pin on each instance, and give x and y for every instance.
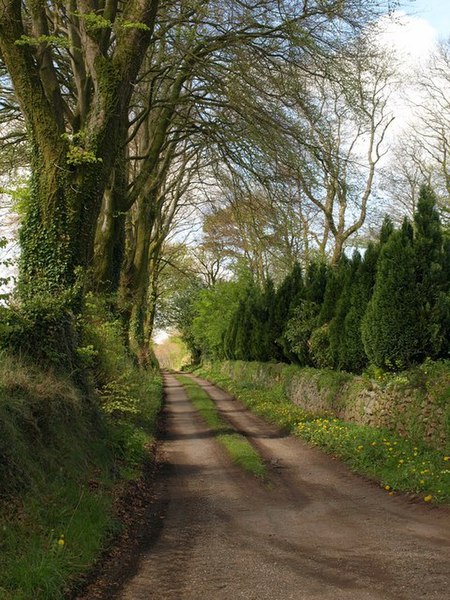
(314, 531)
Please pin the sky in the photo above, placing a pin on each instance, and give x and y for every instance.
(435, 12)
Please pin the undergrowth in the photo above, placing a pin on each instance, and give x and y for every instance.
(238, 447)
(65, 454)
(399, 464)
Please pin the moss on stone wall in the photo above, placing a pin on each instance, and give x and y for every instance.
(415, 403)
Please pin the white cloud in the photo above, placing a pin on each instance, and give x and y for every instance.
(412, 39)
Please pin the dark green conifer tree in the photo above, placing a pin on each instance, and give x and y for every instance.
(242, 348)
(444, 299)
(335, 282)
(387, 229)
(249, 327)
(257, 315)
(337, 333)
(287, 297)
(229, 342)
(428, 245)
(303, 318)
(316, 281)
(319, 342)
(352, 356)
(391, 324)
(270, 331)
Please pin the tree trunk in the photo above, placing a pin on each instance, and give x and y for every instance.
(109, 246)
(135, 276)
(58, 230)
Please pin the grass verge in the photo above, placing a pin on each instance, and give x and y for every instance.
(399, 464)
(66, 455)
(241, 452)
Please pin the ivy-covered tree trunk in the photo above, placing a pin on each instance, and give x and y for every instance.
(75, 144)
(74, 141)
(57, 231)
(109, 247)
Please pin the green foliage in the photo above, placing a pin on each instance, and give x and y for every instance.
(319, 347)
(299, 329)
(352, 356)
(62, 450)
(213, 309)
(391, 325)
(53, 40)
(79, 152)
(93, 22)
(127, 395)
(44, 328)
(428, 245)
(132, 25)
(338, 336)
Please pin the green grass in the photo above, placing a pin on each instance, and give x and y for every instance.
(241, 452)
(54, 528)
(399, 464)
(50, 544)
(64, 456)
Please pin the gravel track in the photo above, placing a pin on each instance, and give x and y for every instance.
(313, 531)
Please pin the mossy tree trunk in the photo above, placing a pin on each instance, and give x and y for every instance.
(109, 247)
(74, 143)
(135, 274)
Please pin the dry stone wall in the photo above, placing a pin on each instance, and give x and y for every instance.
(415, 404)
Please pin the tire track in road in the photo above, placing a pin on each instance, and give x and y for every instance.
(315, 532)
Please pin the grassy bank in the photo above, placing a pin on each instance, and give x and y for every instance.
(398, 463)
(65, 455)
(238, 447)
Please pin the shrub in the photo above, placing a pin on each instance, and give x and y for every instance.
(319, 346)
